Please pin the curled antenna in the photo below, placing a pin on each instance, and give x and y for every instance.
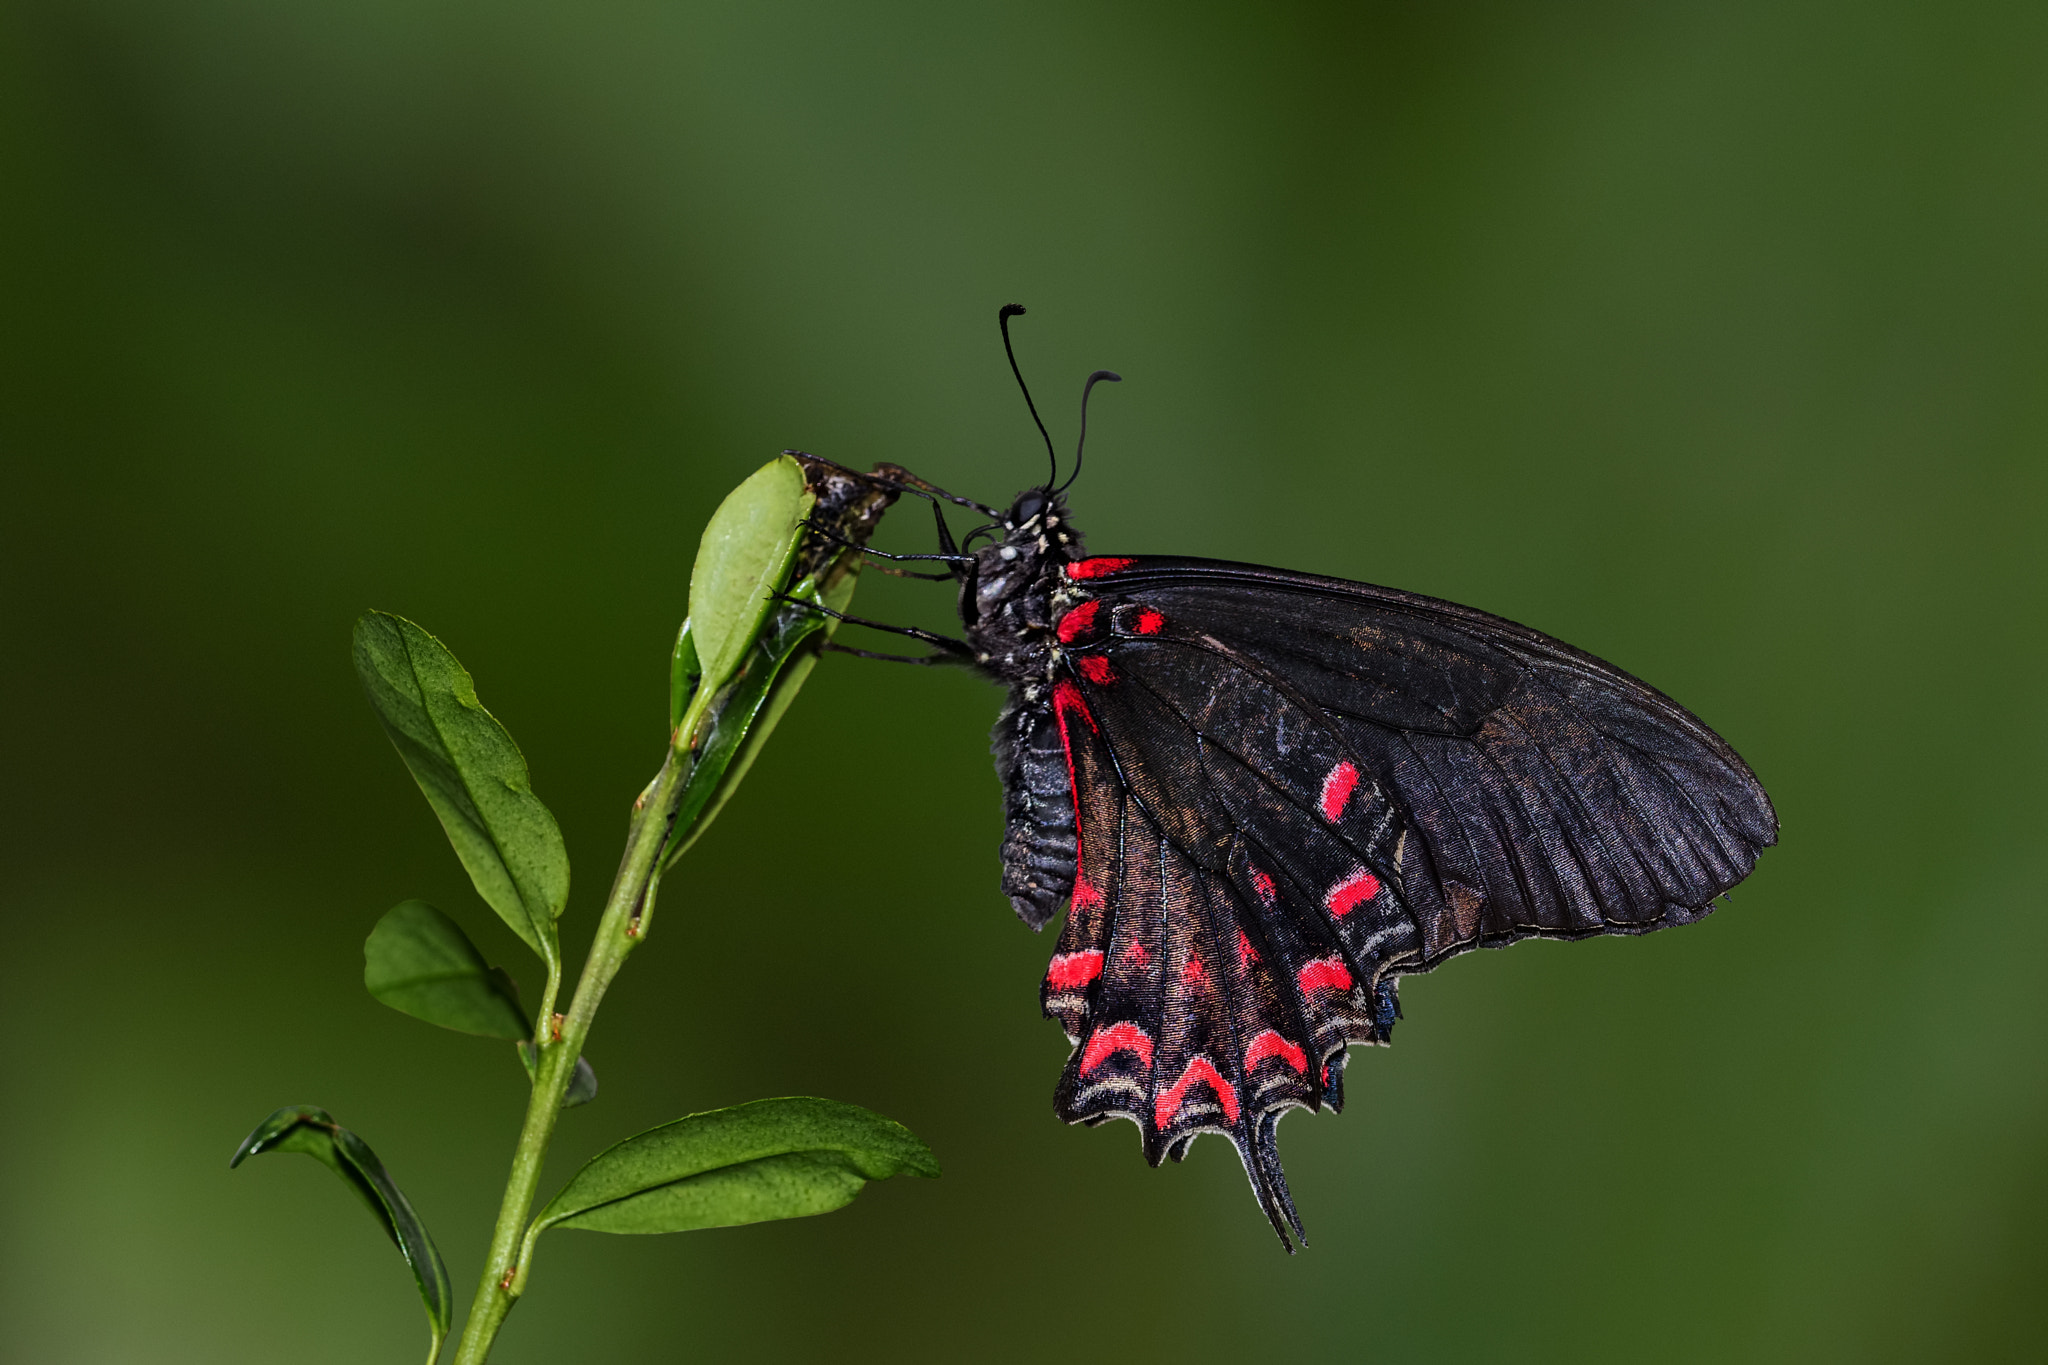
(1082, 444)
(1003, 316)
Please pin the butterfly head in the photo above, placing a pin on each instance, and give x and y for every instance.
(1030, 505)
(1038, 517)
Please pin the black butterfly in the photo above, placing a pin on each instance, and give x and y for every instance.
(1262, 796)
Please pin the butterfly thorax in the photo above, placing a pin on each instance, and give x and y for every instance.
(1007, 602)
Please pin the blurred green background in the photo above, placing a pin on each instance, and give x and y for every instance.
(1709, 338)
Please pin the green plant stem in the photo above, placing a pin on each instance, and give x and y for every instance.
(631, 889)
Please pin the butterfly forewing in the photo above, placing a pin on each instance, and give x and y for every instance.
(1549, 793)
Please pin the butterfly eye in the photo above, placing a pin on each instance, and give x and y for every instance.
(1029, 505)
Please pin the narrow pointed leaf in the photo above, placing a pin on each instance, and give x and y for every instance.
(782, 1158)
(472, 773)
(313, 1131)
(582, 1082)
(419, 962)
(742, 561)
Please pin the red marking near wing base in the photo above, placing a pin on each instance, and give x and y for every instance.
(1096, 669)
(1099, 567)
(1193, 974)
(1327, 973)
(1067, 697)
(1246, 954)
(1199, 1069)
(1085, 895)
(1263, 884)
(1150, 622)
(1106, 1042)
(1070, 970)
(1347, 895)
(1271, 1044)
(1337, 789)
(1078, 622)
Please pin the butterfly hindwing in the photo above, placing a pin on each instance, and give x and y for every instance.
(1205, 992)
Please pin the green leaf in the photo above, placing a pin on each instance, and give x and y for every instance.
(305, 1128)
(779, 665)
(582, 1082)
(472, 773)
(784, 652)
(742, 561)
(785, 1158)
(419, 962)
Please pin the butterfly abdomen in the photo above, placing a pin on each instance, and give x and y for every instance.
(1038, 835)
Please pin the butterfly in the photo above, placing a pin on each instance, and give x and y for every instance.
(1262, 797)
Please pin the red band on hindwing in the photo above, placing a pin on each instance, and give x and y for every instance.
(1347, 895)
(1096, 669)
(1099, 567)
(1202, 1070)
(1072, 970)
(1324, 973)
(1337, 789)
(1106, 1042)
(1271, 1044)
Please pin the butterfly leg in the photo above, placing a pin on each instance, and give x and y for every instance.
(891, 658)
(908, 573)
(946, 643)
(829, 534)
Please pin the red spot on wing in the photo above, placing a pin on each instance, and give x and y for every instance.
(1324, 973)
(1078, 622)
(1072, 970)
(1356, 889)
(1337, 789)
(1150, 622)
(1135, 952)
(1201, 1070)
(1096, 669)
(1246, 954)
(1193, 974)
(1263, 884)
(1105, 1043)
(1271, 1044)
(1099, 567)
(1086, 895)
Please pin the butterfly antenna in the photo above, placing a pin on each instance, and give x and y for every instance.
(1082, 444)
(1008, 311)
